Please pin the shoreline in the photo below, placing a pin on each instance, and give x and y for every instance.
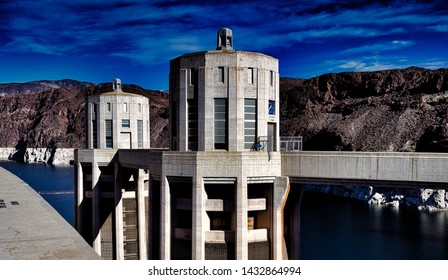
(422, 199)
(53, 156)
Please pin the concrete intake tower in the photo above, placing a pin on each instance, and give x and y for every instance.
(217, 193)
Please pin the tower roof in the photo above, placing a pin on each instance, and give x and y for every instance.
(117, 89)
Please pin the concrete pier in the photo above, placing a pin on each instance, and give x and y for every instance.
(30, 229)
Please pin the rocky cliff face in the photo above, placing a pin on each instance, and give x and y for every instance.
(421, 199)
(158, 103)
(55, 118)
(52, 118)
(396, 110)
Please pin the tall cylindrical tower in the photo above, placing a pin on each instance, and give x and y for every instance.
(117, 120)
(224, 99)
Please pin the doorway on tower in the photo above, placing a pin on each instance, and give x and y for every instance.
(181, 191)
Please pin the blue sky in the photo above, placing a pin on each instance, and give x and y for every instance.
(98, 40)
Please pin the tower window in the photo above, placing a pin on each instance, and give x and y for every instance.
(109, 107)
(250, 76)
(221, 74)
(94, 135)
(109, 134)
(125, 107)
(140, 133)
(271, 78)
(173, 118)
(139, 107)
(250, 123)
(193, 76)
(125, 123)
(221, 124)
(193, 124)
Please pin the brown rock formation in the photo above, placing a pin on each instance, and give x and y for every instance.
(55, 118)
(38, 86)
(396, 110)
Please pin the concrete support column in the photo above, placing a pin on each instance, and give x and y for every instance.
(79, 197)
(96, 230)
(141, 218)
(241, 249)
(198, 212)
(281, 190)
(165, 219)
(150, 239)
(118, 197)
(296, 194)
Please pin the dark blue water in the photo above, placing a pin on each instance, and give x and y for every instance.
(54, 184)
(332, 228)
(336, 228)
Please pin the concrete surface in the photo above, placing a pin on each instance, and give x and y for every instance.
(387, 168)
(30, 229)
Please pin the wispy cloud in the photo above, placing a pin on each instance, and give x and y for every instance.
(153, 32)
(377, 63)
(434, 64)
(380, 47)
(439, 28)
(90, 23)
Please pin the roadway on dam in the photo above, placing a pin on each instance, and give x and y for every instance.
(30, 229)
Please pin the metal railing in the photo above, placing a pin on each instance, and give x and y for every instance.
(291, 143)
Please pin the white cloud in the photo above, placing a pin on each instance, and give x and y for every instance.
(440, 28)
(366, 63)
(378, 63)
(380, 47)
(355, 65)
(434, 64)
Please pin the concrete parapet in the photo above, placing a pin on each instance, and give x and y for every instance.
(350, 167)
(219, 205)
(257, 235)
(256, 204)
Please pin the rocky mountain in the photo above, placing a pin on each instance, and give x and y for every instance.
(51, 118)
(55, 118)
(158, 103)
(38, 86)
(395, 110)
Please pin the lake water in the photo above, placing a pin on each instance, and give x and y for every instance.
(336, 228)
(333, 228)
(54, 184)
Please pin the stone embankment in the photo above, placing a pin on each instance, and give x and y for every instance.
(417, 198)
(52, 156)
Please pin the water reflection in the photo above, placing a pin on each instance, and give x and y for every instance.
(340, 228)
(54, 184)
